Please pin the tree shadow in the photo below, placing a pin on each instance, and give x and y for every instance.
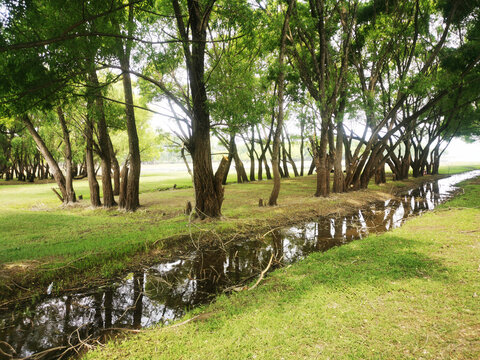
(373, 261)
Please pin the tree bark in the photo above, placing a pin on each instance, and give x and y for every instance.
(70, 192)
(208, 191)
(280, 86)
(103, 139)
(240, 169)
(92, 177)
(323, 175)
(286, 173)
(133, 187)
(115, 168)
(54, 168)
(252, 155)
(302, 144)
(122, 198)
(338, 177)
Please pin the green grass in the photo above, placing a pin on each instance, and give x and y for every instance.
(408, 294)
(42, 242)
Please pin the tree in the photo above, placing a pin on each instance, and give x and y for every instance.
(280, 115)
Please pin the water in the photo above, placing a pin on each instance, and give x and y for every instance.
(164, 292)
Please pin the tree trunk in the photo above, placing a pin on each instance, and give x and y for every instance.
(252, 155)
(435, 159)
(260, 168)
(133, 188)
(380, 175)
(92, 177)
(229, 164)
(208, 187)
(70, 192)
(240, 169)
(115, 168)
(280, 86)
(323, 175)
(286, 173)
(302, 144)
(338, 177)
(313, 166)
(122, 196)
(267, 168)
(55, 169)
(103, 139)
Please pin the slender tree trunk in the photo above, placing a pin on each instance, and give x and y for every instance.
(267, 168)
(252, 155)
(103, 139)
(263, 156)
(280, 86)
(323, 175)
(70, 192)
(286, 173)
(338, 177)
(302, 144)
(133, 188)
(313, 166)
(55, 169)
(435, 159)
(380, 175)
(115, 168)
(225, 175)
(260, 168)
(122, 196)
(90, 165)
(182, 154)
(240, 169)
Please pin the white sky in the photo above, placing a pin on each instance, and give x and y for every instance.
(458, 151)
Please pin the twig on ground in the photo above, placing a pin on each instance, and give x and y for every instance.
(136, 331)
(10, 347)
(20, 287)
(262, 274)
(43, 353)
(183, 322)
(271, 230)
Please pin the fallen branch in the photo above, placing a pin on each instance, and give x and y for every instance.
(183, 322)
(43, 353)
(10, 347)
(262, 274)
(20, 287)
(136, 331)
(271, 230)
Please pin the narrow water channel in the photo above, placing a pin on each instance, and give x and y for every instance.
(165, 291)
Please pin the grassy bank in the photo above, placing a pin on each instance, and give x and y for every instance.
(42, 242)
(408, 294)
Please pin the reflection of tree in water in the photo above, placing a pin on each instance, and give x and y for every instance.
(326, 233)
(63, 321)
(197, 279)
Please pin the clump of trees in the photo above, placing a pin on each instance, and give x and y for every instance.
(405, 73)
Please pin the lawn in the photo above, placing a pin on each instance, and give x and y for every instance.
(412, 293)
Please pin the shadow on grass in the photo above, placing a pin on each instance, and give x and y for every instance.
(375, 261)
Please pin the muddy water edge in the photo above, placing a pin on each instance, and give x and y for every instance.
(59, 325)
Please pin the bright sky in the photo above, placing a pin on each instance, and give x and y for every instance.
(458, 151)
